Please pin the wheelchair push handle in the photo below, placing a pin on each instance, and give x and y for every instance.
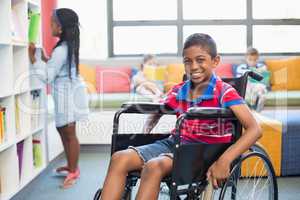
(254, 75)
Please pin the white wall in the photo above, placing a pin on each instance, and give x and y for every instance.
(93, 20)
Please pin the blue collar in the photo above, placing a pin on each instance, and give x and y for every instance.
(183, 92)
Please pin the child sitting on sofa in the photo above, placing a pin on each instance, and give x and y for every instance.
(256, 90)
(144, 86)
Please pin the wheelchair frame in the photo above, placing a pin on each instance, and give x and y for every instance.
(191, 170)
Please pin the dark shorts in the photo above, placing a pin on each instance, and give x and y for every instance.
(162, 147)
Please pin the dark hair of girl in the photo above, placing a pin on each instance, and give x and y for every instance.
(69, 22)
(203, 40)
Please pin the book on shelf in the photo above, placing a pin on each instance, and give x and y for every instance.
(17, 29)
(37, 153)
(1, 131)
(20, 147)
(17, 115)
(36, 101)
(33, 29)
(2, 125)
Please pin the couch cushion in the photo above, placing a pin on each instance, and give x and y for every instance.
(155, 74)
(283, 98)
(290, 139)
(88, 74)
(224, 70)
(114, 100)
(271, 142)
(284, 73)
(113, 79)
(174, 75)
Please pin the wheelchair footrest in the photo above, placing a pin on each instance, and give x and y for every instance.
(197, 188)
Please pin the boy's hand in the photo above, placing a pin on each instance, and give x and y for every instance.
(218, 172)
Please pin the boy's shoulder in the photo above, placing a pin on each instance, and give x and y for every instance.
(222, 85)
(178, 86)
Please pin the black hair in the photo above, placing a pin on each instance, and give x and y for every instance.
(69, 23)
(203, 40)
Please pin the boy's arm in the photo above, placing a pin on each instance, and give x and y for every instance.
(220, 169)
(151, 122)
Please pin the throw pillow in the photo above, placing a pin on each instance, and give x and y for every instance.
(285, 73)
(88, 73)
(224, 70)
(174, 75)
(113, 79)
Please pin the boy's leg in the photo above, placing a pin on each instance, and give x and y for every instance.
(152, 174)
(121, 163)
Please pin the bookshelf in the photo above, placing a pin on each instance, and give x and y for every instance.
(23, 144)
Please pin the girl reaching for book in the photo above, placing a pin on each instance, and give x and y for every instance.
(68, 89)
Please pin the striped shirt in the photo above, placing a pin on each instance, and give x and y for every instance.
(216, 94)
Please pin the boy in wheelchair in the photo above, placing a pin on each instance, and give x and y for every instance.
(202, 89)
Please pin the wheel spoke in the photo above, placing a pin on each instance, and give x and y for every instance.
(256, 181)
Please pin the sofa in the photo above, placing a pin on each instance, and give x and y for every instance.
(284, 84)
(109, 87)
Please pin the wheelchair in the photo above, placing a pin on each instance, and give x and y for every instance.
(251, 177)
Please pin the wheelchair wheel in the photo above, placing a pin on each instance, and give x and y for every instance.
(251, 178)
(98, 194)
(127, 195)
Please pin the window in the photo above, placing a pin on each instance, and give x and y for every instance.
(93, 27)
(143, 39)
(144, 10)
(229, 39)
(214, 9)
(279, 9)
(271, 26)
(284, 39)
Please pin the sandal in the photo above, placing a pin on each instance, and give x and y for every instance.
(64, 170)
(71, 178)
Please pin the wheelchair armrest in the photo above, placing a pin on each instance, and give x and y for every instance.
(209, 113)
(146, 108)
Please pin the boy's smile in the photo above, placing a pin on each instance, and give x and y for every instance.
(199, 64)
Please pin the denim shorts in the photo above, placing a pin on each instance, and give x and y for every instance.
(162, 147)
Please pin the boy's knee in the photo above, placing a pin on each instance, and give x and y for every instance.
(120, 159)
(154, 168)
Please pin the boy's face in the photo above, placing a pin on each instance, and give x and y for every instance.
(252, 60)
(199, 64)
